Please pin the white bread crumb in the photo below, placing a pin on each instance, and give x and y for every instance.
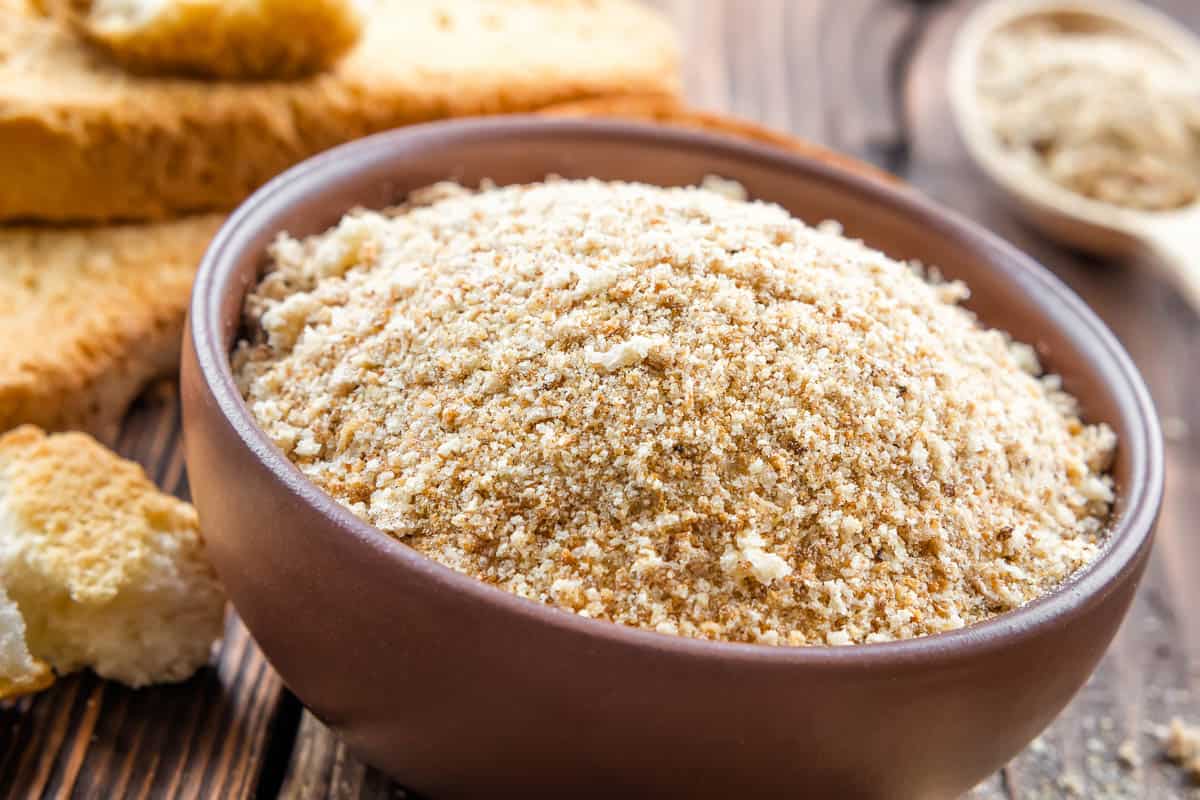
(20, 672)
(1105, 114)
(1181, 745)
(1128, 756)
(670, 409)
(108, 572)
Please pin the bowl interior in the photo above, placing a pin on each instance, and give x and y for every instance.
(1009, 291)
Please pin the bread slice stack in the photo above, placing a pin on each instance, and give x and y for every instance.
(112, 156)
(128, 129)
(84, 139)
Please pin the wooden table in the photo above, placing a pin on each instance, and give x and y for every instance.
(866, 77)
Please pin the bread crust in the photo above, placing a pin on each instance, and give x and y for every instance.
(83, 139)
(88, 316)
(226, 39)
(20, 672)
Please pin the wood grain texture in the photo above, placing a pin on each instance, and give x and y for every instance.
(866, 77)
(321, 767)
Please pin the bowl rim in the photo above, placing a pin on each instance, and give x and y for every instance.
(1127, 539)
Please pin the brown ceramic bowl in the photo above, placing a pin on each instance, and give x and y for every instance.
(459, 689)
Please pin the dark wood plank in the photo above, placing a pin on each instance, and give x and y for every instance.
(205, 738)
(1148, 675)
(322, 768)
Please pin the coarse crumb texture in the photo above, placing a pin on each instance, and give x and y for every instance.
(673, 409)
(107, 571)
(84, 139)
(20, 672)
(231, 39)
(1103, 113)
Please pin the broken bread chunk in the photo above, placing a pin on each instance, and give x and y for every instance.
(108, 572)
(228, 39)
(20, 672)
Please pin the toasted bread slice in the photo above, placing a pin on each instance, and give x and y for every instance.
(88, 316)
(669, 110)
(230, 39)
(109, 572)
(81, 138)
(20, 672)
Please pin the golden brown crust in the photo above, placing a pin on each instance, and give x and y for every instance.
(668, 110)
(99, 507)
(89, 315)
(226, 39)
(82, 139)
(42, 679)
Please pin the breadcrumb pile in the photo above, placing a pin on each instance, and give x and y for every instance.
(1102, 113)
(673, 409)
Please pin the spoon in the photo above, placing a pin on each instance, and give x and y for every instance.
(1170, 238)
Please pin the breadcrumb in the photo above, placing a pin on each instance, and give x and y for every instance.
(1182, 746)
(1103, 113)
(1071, 784)
(675, 410)
(1128, 756)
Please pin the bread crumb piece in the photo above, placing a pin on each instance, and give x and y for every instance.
(1128, 756)
(725, 187)
(623, 354)
(107, 571)
(1181, 745)
(670, 409)
(1072, 784)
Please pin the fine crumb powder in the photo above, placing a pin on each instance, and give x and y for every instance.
(1101, 112)
(673, 409)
